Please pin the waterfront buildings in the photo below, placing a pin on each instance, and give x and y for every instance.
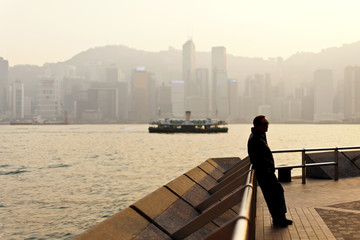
(258, 94)
(18, 101)
(199, 100)
(143, 95)
(4, 86)
(220, 83)
(196, 83)
(48, 99)
(352, 93)
(234, 99)
(107, 92)
(188, 66)
(163, 101)
(112, 74)
(323, 96)
(177, 98)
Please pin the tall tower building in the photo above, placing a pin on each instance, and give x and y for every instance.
(177, 98)
(188, 64)
(112, 74)
(106, 101)
(323, 95)
(143, 93)
(234, 99)
(4, 85)
(18, 100)
(200, 94)
(257, 89)
(188, 71)
(48, 99)
(220, 83)
(163, 101)
(218, 58)
(352, 93)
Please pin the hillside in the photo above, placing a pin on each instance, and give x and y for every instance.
(167, 65)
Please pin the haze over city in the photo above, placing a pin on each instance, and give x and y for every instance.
(41, 31)
(138, 61)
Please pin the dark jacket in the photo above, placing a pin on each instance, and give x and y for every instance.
(260, 153)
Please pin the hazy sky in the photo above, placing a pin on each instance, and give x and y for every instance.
(39, 31)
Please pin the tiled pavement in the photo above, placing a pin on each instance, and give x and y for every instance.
(320, 209)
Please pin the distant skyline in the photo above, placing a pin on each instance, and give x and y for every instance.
(41, 31)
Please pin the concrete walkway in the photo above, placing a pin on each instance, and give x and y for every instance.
(320, 209)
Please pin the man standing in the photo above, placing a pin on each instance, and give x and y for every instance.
(263, 163)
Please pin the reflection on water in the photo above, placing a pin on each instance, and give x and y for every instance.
(57, 181)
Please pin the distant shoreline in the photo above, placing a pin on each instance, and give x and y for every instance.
(124, 123)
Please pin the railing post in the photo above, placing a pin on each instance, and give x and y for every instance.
(303, 167)
(336, 166)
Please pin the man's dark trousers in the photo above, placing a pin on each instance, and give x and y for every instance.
(273, 193)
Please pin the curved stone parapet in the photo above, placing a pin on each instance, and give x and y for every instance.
(169, 212)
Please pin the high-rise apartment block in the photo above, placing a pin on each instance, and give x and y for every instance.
(112, 74)
(48, 100)
(220, 83)
(177, 98)
(258, 93)
(199, 100)
(4, 85)
(105, 100)
(188, 65)
(234, 99)
(352, 93)
(196, 87)
(163, 101)
(143, 93)
(323, 95)
(18, 106)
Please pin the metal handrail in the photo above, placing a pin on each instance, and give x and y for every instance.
(245, 224)
(304, 165)
(314, 149)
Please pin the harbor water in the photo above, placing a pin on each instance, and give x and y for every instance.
(58, 181)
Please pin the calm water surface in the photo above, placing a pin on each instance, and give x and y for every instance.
(57, 181)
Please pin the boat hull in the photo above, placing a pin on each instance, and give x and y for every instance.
(187, 130)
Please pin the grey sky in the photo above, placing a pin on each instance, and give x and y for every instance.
(39, 31)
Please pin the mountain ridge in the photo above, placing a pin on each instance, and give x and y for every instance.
(167, 64)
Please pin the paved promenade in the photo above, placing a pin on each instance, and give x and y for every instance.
(320, 209)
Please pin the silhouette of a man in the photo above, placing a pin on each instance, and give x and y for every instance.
(263, 163)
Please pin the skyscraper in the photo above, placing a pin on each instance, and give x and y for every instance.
(18, 100)
(323, 95)
(48, 100)
(200, 93)
(105, 100)
(112, 74)
(352, 93)
(4, 85)
(188, 72)
(220, 83)
(258, 88)
(188, 65)
(177, 98)
(143, 93)
(163, 101)
(234, 100)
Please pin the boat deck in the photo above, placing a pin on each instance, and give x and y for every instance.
(320, 209)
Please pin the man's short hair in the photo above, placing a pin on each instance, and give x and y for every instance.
(257, 120)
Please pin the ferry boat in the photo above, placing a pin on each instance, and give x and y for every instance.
(188, 125)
